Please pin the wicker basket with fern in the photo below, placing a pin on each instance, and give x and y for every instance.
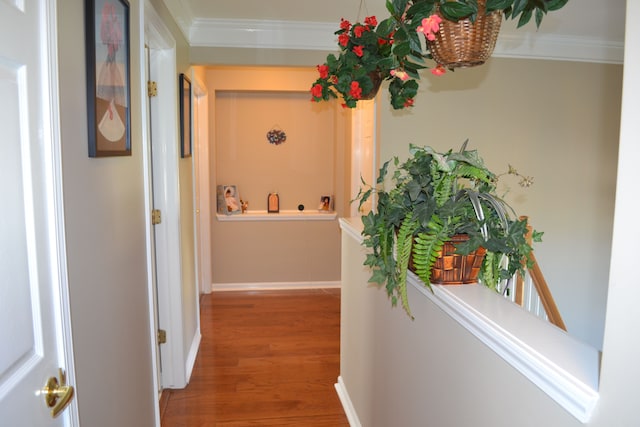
(434, 197)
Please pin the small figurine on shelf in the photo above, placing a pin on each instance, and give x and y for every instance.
(273, 203)
(244, 204)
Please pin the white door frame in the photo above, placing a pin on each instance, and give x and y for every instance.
(165, 157)
(201, 180)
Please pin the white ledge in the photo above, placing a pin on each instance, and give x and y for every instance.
(566, 369)
(288, 215)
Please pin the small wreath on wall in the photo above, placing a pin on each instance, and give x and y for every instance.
(276, 136)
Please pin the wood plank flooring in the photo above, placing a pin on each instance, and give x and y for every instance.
(267, 358)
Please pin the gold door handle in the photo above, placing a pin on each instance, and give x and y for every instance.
(57, 395)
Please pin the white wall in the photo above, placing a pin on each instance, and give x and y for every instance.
(105, 225)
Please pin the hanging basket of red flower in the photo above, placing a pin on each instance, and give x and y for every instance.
(459, 33)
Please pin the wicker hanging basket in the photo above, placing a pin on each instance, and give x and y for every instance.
(376, 79)
(465, 43)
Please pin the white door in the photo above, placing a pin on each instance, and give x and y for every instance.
(34, 317)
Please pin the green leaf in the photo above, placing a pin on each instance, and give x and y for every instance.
(386, 27)
(556, 4)
(455, 11)
(525, 17)
(539, 16)
(383, 172)
(518, 7)
(498, 4)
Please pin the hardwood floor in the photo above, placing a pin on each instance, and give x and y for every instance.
(266, 358)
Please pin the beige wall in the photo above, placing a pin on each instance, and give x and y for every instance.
(244, 104)
(106, 246)
(556, 121)
(300, 170)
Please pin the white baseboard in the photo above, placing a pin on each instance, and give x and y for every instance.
(193, 352)
(271, 286)
(349, 410)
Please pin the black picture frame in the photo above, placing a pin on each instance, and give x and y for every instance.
(108, 77)
(185, 116)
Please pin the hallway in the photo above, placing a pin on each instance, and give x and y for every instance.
(266, 358)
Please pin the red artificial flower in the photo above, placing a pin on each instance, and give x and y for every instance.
(408, 103)
(371, 20)
(344, 24)
(358, 30)
(316, 91)
(358, 50)
(324, 71)
(438, 71)
(343, 39)
(356, 90)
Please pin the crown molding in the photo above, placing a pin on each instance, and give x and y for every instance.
(182, 15)
(301, 35)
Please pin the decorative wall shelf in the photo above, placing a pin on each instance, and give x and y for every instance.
(284, 215)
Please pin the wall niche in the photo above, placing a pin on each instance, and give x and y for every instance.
(250, 251)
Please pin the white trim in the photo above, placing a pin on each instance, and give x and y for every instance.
(181, 13)
(167, 198)
(347, 405)
(149, 34)
(273, 34)
(263, 34)
(347, 226)
(561, 366)
(193, 353)
(288, 215)
(53, 160)
(274, 286)
(562, 48)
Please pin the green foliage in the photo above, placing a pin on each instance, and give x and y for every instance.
(432, 197)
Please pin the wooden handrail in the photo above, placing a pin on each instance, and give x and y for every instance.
(549, 304)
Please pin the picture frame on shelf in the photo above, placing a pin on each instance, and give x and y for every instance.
(228, 200)
(326, 204)
(108, 77)
(185, 116)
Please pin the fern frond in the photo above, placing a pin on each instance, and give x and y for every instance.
(474, 173)
(442, 185)
(404, 244)
(427, 248)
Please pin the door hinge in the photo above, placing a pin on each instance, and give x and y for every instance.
(156, 217)
(152, 89)
(162, 336)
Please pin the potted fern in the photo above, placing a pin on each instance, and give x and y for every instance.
(442, 206)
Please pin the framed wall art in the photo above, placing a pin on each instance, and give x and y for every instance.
(108, 77)
(185, 116)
